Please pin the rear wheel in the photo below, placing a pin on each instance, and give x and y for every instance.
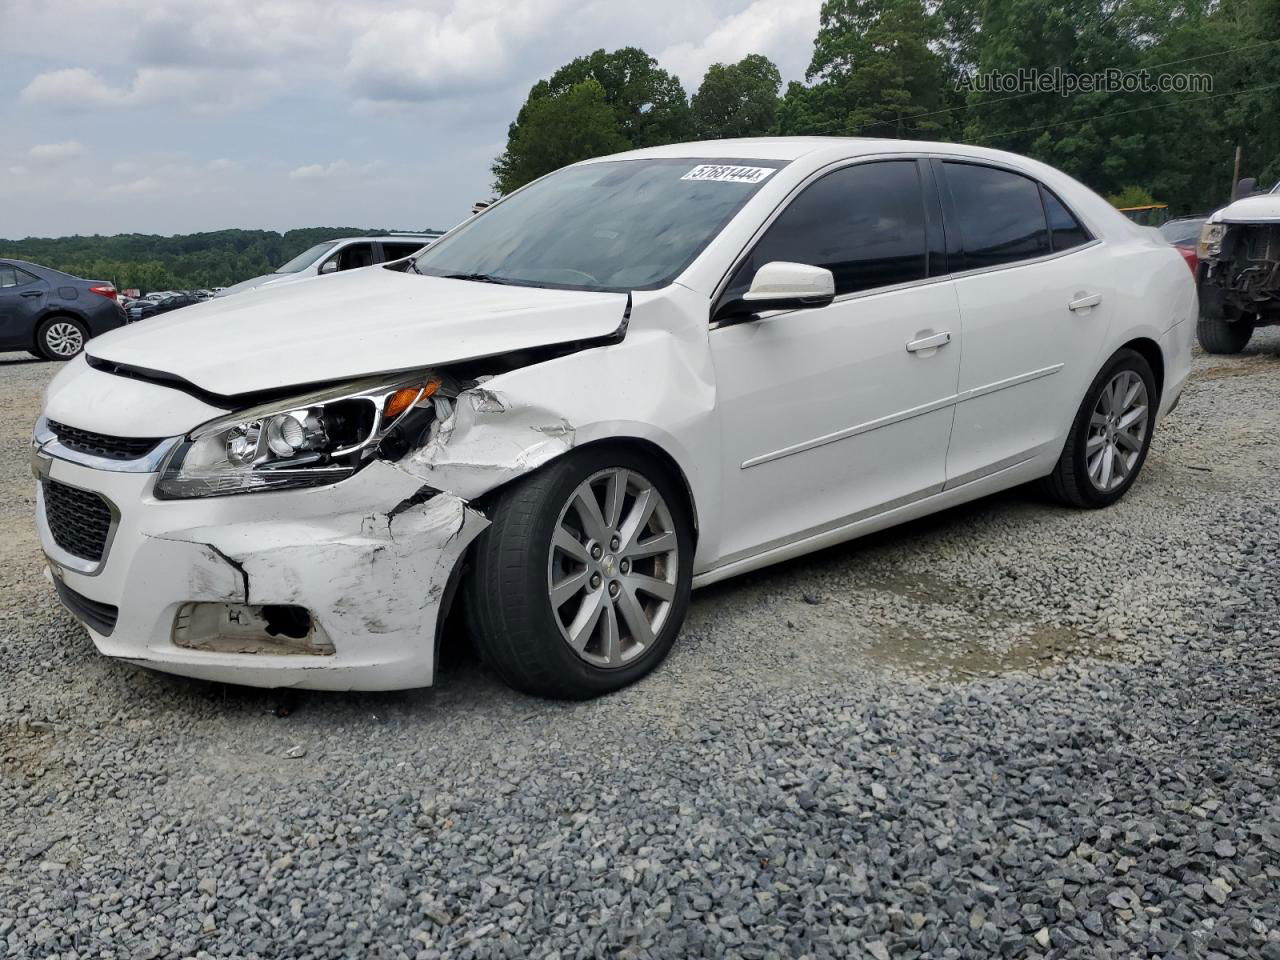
(61, 338)
(581, 582)
(1224, 335)
(1109, 437)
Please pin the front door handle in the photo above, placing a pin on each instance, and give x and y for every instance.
(929, 342)
(1085, 302)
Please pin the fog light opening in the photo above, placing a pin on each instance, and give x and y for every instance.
(282, 621)
(270, 629)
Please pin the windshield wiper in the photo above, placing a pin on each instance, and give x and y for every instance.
(476, 277)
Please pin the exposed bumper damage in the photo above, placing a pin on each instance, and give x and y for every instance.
(368, 571)
(1240, 274)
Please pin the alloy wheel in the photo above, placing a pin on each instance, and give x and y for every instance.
(1117, 431)
(64, 339)
(612, 569)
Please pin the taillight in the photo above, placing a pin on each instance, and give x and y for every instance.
(104, 290)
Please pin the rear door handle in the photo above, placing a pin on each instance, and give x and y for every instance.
(33, 293)
(1084, 303)
(929, 342)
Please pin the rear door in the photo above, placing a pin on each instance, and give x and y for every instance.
(23, 297)
(832, 414)
(1031, 284)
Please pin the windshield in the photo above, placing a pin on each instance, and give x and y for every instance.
(614, 226)
(1182, 231)
(304, 260)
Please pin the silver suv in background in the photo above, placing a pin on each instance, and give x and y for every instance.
(333, 256)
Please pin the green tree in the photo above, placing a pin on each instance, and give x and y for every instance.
(650, 105)
(737, 99)
(646, 105)
(181, 262)
(1131, 196)
(876, 71)
(574, 125)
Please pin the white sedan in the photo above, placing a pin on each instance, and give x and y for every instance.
(638, 375)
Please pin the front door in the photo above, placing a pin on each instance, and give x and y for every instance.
(832, 414)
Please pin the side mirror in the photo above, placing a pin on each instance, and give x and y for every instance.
(329, 266)
(1247, 187)
(783, 286)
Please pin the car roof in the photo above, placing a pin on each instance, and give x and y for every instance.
(389, 236)
(793, 148)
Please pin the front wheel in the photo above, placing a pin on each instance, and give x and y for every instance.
(580, 584)
(1110, 435)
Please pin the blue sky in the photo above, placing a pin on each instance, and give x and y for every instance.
(173, 116)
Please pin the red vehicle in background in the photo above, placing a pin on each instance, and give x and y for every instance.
(1184, 233)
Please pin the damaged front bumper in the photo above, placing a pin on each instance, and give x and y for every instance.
(351, 580)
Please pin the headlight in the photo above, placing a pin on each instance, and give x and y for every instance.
(305, 441)
(1210, 244)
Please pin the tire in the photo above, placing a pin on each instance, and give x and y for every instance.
(1219, 335)
(526, 640)
(61, 338)
(1080, 479)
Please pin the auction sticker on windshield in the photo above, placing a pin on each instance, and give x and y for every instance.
(720, 173)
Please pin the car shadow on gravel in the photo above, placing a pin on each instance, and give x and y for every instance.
(464, 684)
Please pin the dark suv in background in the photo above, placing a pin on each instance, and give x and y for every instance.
(53, 314)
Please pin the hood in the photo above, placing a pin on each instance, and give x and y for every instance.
(253, 283)
(353, 324)
(1260, 209)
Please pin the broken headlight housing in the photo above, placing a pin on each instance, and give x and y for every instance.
(1210, 244)
(306, 441)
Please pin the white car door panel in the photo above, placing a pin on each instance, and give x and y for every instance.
(1029, 356)
(833, 413)
(1033, 325)
(826, 415)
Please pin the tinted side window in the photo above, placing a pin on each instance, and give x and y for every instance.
(864, 223)
(397, 251)
(1001, 217)
(1065, 230)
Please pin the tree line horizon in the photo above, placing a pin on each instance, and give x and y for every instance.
(885, 68)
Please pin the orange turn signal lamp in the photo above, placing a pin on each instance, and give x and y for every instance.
(406, 397)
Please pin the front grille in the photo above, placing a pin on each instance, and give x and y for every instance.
(101, 444)
(78, 520)
(99, 617)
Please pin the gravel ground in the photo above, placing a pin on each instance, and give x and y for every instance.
(1008, 730)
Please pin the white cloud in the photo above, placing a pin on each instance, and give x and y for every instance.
(243, 105)
(783, 30)
(79, 89)
(145, 185)
(421, 55)
(56, 152)
(319, 171)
